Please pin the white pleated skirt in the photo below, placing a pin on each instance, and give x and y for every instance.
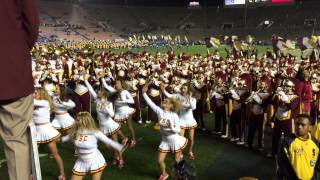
(63, 122)
(89, 164)
(123, 113)
(172, 143)
(46, 133)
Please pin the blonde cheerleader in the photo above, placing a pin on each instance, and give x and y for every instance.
(107, 125)
(172, 141)
(46, 134)
(85, 136)
(187, 121)
(62, 120)
(123, 112)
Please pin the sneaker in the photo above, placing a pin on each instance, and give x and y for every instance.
(234, 139)
(203, 129)
(115, 161)
(121, 164)
(133, 142)
(269, 155)
(124, 141)
(163, 176)
(224, 136)
(140, 121)
(240, 143)
(62, 177)
(148, 121)
(190, 155)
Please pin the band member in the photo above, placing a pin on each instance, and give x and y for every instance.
(107, 125)
(155, 95)
(169, 123)
(46, 134)
(134, 90)
(81, 96)
(200, 90)
(286, 105)
(315, 103)
(238, 96)
(122, 99)
(85, 136)
(62, 120)
(187, 121)
(259, 100)
(220, 106)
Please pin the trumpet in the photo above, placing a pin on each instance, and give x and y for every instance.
(250, 98)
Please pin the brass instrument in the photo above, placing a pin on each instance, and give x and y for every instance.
(250, 98)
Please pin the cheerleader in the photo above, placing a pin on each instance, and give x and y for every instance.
(187, 121)
(62, 120)
(85, 136)
(107, 125)
(169, 123)
(122, 110)
(46, 134)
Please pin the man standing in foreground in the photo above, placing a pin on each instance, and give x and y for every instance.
(298, 156)
(19, 22)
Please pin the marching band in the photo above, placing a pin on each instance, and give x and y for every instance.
(245, 93)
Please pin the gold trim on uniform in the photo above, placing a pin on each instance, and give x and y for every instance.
(50, 140)
(125, 119)
(176, 151)
(115, 131)
(188, 128)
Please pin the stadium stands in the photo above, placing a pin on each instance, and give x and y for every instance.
(97, 21)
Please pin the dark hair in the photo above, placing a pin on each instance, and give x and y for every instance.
(300, 75)
(304, 116)
(63, 93)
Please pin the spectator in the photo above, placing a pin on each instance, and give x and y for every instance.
(19, 30)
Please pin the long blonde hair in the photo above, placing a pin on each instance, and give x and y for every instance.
(84, 121)
(176, 104)
(45, 96)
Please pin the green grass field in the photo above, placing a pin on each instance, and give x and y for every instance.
(216, 159)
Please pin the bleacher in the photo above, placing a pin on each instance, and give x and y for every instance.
(98, 21)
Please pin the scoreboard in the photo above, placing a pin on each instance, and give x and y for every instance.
(242, 3)
(234, 2)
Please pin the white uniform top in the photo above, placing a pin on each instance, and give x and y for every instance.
(87, 141)
(41, 113)
(236, 94)
(283, 112)
(64, 106)
(219, 97)
(188, 105)
(168, 121)
(104, 109)
(258, 98)
(123, 101)
(80, 89)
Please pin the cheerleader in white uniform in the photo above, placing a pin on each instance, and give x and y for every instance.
(172, 141)
(46, 134)
(187, 121)
(106, 124)
(85, 136)
(123, 112)
(62, 120)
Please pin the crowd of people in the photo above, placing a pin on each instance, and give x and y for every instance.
(245, 93)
